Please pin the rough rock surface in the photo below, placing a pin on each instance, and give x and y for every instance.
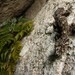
(35, 8)
(11, 8)
(36, 54)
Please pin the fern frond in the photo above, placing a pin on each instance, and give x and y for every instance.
(11, 33)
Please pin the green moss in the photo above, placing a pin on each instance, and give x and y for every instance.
(11, 33)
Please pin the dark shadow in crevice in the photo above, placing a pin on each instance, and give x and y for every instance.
(72, 29)
(53, 57)
(58, 29)
(21, 13)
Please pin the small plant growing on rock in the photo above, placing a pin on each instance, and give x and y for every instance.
(11, 32)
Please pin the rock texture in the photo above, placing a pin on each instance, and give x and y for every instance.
(35, 8)
(37, 53)
(11, 8)
(17, 8)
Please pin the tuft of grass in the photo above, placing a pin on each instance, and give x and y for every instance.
(11, 32)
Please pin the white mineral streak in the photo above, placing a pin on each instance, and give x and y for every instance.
(38, 46)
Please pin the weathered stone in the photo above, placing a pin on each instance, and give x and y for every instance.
(11, 8)
(35, 8)
(27, 8)
(38, 48)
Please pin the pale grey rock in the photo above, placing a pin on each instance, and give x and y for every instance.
(49, 30)
(36, 54)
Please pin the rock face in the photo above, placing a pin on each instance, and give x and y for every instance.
(35, 8)
(12, 8)
(37, 53)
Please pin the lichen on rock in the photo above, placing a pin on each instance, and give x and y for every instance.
(39, 46)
